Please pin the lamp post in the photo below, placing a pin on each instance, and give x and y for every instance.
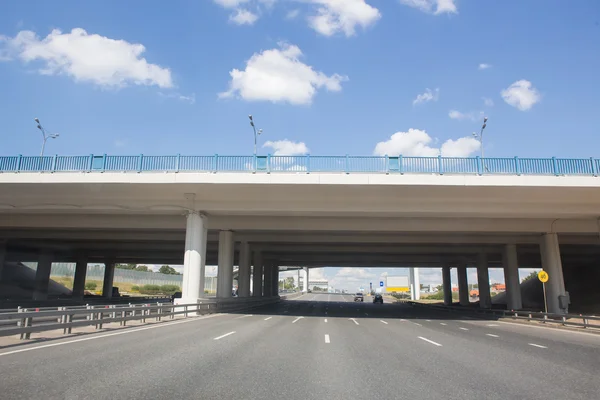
(45, 135)
(480, 137)
(255, 132)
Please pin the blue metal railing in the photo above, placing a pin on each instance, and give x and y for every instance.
(305, 164)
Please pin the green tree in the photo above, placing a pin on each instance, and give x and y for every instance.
(167, 270)
(126, 266)
(288, 283)
(142, 268)
(530, 276)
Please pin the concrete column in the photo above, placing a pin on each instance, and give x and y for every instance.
(483, 281)
(268, 274)
(194, 258)
(447, 285)
(415, 284)
(79, 279)
(2, 257)
(463, 286)
(551, 263)
(306, 287)
(42, 276)
(257, 275)
(244, 271)
(109, 275)
(511, 277)
(275, 280)
(225, 268)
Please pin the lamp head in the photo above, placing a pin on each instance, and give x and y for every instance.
(36, 120)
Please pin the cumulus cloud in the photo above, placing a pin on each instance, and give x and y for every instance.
(287, 147)
(521, 95)
(292, 14)
(243, 17)
(435, 7)
(418, 143)
(278, 75)
(471, 116)
(484, 66)
(429, 95)
(87, 58)
(342, 16)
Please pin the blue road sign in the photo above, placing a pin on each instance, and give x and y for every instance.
(381, 283)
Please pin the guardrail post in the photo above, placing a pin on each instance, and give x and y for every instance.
(215, 163)
(400, 164)
(185, 309)
(554, 166)
(177, 162)
(104, 163)
(564, 320)
(594, 167)
(114, 313)
(140, 163)
(19, 160)
(90, 163)
(54, 163)
(517, 166)
(27, 322)
(347, 164)
(308, 163)
(268, 163)
(69, 321)
(387, 164)
(172, 311)
(529, 317)
(63, 318)
(440, 165)
(158, 311)
(545, 318)
(585, 322)
(479, 165)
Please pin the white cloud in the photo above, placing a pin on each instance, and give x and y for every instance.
(484, 66)
(191, 99)
(292, 14)
(243, 17)
(436, 7)
(429, 95)
(278, 75)
(417, 143)
(488, 102)
(471, 116)
(287, 147)
(231, 3)
(87, 58)
(335, 16)
(521, 95)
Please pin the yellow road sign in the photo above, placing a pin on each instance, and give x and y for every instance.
(543, 276)
(397, 289)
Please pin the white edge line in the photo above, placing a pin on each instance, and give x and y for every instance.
(537, 345)
(429, 341)
(107, 335)
(442, 323)
(327, 339)
(383, 321)
(268, 318)
(491, 335)
(296, 320)
(464, 329)
(225, 335)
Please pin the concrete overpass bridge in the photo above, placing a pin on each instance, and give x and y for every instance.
(264, 212)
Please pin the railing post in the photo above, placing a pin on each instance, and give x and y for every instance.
(347, 164)
(554, 166)
(517, 166)
(268, 163)
(308, 163)
(440, 165)
(594, 167)
(401, 164)
(177, 162)
(479, 165)
(90, 163)
(19, 160)
(104, 163)
(140, 163)
(215, 163)
(54, 163)
(254, 163)
(387, 164)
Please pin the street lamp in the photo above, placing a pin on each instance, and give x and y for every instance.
(480, 138)
(45, 135)
(255, 132)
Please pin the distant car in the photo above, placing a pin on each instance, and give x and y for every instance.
(359, 297)
(378, 298)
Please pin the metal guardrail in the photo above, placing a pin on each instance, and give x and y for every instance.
(66, 318)
(304, 164)
(588, 321)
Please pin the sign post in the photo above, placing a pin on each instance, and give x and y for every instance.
(543, 277)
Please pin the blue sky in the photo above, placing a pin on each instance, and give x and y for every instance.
(338, 76)
(329, 77)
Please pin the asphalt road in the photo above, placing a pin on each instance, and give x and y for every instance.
(318, 346)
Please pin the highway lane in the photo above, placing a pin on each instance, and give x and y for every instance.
(316, 346)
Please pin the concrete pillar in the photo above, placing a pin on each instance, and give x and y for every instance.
(79, 279)
(2, 257)
(244, 270)
(42, 276)
(275, 280)
(463, 286)
(415, 284)
(268, 274)
(447, 285)
(257, 275)
(511, 277)
(551, 263)
(109, 275)
(225, 268)
(194, 259)
(305, 280)
(483, 281)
